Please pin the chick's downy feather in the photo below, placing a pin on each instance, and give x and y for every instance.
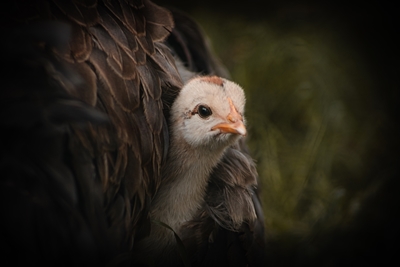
(200, 180)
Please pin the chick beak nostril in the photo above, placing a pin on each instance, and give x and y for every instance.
(232, 118)
(235, 128)
(233, 115)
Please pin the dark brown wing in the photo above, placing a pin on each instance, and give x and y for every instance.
(44, 219)
(229, 230)
(89, 185)
(191, 46)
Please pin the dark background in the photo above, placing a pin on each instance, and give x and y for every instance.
(322, 87)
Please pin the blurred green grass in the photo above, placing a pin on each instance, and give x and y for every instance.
(311, 132)
(316, 111)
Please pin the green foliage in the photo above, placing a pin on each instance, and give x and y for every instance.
(314, 126)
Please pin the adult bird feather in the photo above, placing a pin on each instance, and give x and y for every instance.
(85, 107)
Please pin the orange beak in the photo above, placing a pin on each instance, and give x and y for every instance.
(235, 122)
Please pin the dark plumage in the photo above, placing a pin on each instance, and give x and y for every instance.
(84, 110)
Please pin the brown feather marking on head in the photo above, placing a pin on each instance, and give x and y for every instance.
(213, 79)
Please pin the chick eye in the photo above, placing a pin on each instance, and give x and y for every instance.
(204, 111)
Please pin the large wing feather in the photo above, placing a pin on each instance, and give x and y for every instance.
(104, 176)
(45, 171)
(76, 184)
